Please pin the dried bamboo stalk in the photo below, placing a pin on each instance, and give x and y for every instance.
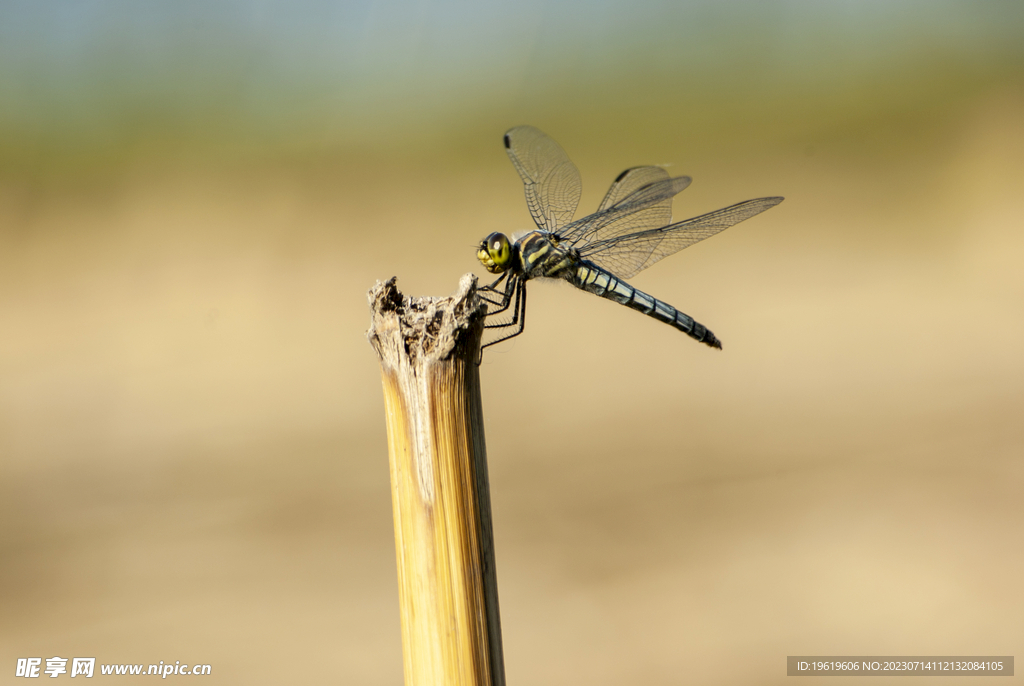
(447, 587)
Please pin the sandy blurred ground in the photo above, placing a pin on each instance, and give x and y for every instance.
(194, 459)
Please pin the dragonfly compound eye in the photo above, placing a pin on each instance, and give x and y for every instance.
(495, 253)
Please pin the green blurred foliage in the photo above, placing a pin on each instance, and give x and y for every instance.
(100, 85)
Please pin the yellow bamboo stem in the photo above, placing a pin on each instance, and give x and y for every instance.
(447, 587)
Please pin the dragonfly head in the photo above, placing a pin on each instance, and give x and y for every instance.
(495, 253)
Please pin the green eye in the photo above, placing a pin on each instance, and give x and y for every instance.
(495, 253)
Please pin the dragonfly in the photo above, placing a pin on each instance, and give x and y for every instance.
(631, 230)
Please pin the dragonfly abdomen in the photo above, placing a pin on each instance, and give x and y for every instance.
(595, 280)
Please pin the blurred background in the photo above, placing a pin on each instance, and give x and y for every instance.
(195, 198)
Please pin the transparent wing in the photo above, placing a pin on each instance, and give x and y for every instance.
(626, 256)
(552, 182)
(633, 179)
(646, 207)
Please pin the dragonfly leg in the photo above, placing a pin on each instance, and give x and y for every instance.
(497, 299)
(496, 305)
(509, 297)
(518, 316)
(493, 286)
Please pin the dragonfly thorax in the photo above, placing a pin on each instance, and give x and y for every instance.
(495, 253)
(540, 255)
